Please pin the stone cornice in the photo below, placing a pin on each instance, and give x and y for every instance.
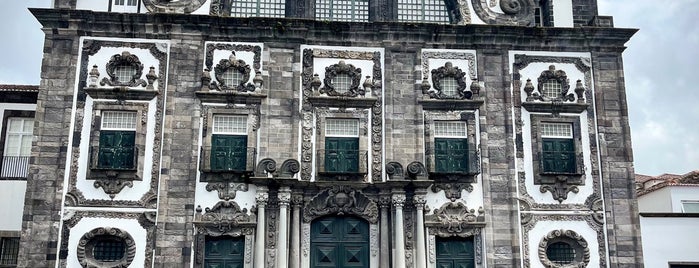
(305, 31)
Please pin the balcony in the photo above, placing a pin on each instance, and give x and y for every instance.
(224, 164)
(342, 165)
(14, 167)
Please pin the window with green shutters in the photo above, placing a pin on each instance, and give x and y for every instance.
(455, 253)
(117, 141)
(558, 148)
(451, 149)
(229, 143)
(342, 145)
(224, 252)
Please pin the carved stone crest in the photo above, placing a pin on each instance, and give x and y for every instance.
(124, 60)
(331, 85)
(341, 200)
(112, 186)
(448, 71)
(232, 64)
(173, 6)
(224, 218)
(455, 219)
(452, 190)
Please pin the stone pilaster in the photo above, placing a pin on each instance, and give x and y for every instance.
(282, 237)
(261, 197)
(398, 199)
(294, 251)
(385, 205)
(419, 201)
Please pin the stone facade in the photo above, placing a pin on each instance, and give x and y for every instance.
(172, 202)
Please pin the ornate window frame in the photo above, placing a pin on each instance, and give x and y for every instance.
(232, 64)
(573, 239)
(558, 184)
(449, 71)
(128, 59)
(566, 101)
(87, 243)
(322, 114)
(226, 218)
(469, 117)
(455, 219)
(252, 112)
(354, 73)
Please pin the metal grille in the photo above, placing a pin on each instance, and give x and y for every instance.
(422, 11)
(560, 253)
(107, 250)
(9, 250)
(449, 86)
(232, 77)
(347, 10)
(342, 83)
(342, 127)
(551, 89)
(450, 129)
(118, 120)
(231, 124)
(124, 73)
(556, 130)
(19, 136)
(258, 8)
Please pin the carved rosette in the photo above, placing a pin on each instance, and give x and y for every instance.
(449, 71)
(341, 200)
(354, 74)
(87, 243)
(575, 240)
(128, 60)
(455, 219)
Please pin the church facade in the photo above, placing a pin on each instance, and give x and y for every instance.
(325, 133)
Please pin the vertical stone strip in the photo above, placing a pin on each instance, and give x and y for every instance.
(261, 198)
(385, 204)
(398, 202)
(419, 201)
(294, 252)
(284, 196)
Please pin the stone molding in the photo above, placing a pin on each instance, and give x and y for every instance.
(236, 65)
(448, 71)
(225, 218)
(88, 241)
(455, 219)
(341, 200)
(576, 241)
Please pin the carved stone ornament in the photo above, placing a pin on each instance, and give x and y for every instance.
(394, 170)
(417, 171)
(173, 6)
(128, 60)
(87, 243)
(573, 239)
(112, 187)
(449, 71)
(455, 219)
(516, 12)
(265, 166)
(341, 68)
(234, 65)
(224, 218)
(226, 190)
(341, 200)
(452, 190)
(559, 189)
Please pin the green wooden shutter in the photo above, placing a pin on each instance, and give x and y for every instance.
(451, 155)
(340, 242)
(229, 152)
(341, 154)
(116, 149)
(455, 253)
(558, 155)
(224, 252)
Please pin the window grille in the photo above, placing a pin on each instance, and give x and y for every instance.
(556, 130)
(342, 127)
(560, 253)
(118, 120)
(232, 78)
(124, 73)
(9, 249)
(19, 136)
(109, 250)
(258, 8)
(456, 129)
(551, 89)
(342, 83)
(449, 86)
(230, 124)
(346, 10)
(422, 11)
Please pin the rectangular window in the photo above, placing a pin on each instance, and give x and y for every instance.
(346, 10)
(422, 11)
(551, 89)
(258, 8)
(9, 249)
(117, 140)
(18, 145)
(125, 2)
(557, 148)
(451, 147)
(690, 206)
(229, 143)
(342, 145)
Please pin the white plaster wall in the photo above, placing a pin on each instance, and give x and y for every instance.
(542, 228)
(657, 201)
(562, 13)
(88, 224)
(15, 106)
(12, 200)
(204, 9)
(669, 239)
(94, 5)
(683, 193)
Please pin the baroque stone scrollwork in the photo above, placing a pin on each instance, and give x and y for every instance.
(232, 64)
(341, 200)
(289, 168)
(558, 76)
(394, 170)
(225, 218)
(573, 239)
(265, 166)
(449, 71)
(417, 171)
(128, 60)
(226, 190)
(341, 68)
(559, 189)
(113, 186)
(455, 219)
(516, 12)
(89, 240)
(173, 6)
(452, 190)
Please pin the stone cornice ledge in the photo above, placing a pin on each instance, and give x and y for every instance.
(343, 102)
(547, 107)
(230, 97)
(121, 93)
(450, 105)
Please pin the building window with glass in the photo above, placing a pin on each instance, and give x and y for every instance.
(18, 144)
(342, 145)
(258, 8)
(451, 151)
(229, 142)
(117, 141)
(422, 11)
(557, 148)
(345, 10)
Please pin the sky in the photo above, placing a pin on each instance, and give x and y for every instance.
(659, 64)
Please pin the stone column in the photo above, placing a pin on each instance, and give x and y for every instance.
(295, 253)
(398, 202)
(419, 201)
(385, 205)
(282, 236)
(261, 197)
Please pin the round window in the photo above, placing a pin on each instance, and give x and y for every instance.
(563, 248)
(106, 247)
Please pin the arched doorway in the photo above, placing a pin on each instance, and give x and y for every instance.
(339, 242)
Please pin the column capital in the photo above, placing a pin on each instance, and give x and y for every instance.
(261, 196)
(296, 200)
(398, 200)
(419, 201)
(284, 196)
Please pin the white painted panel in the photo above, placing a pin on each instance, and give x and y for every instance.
(94, 5)
(542, 228)
(657, 201)
(668, 239)
(12, 200)
(88, 224)
(683, 193)
(562, 13)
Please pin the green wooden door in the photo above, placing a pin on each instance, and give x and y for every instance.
(116, 149)
(229, 152)
(451, 155)
(455, 253)
(224, 252)
(341, 154)
(339, 242)
(558, 155)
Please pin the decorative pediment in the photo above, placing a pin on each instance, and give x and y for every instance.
(224, 218)
(235, 68)
(341, 200)
(122, 67)
(342, 79)
(455, 219)
(448, 83)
